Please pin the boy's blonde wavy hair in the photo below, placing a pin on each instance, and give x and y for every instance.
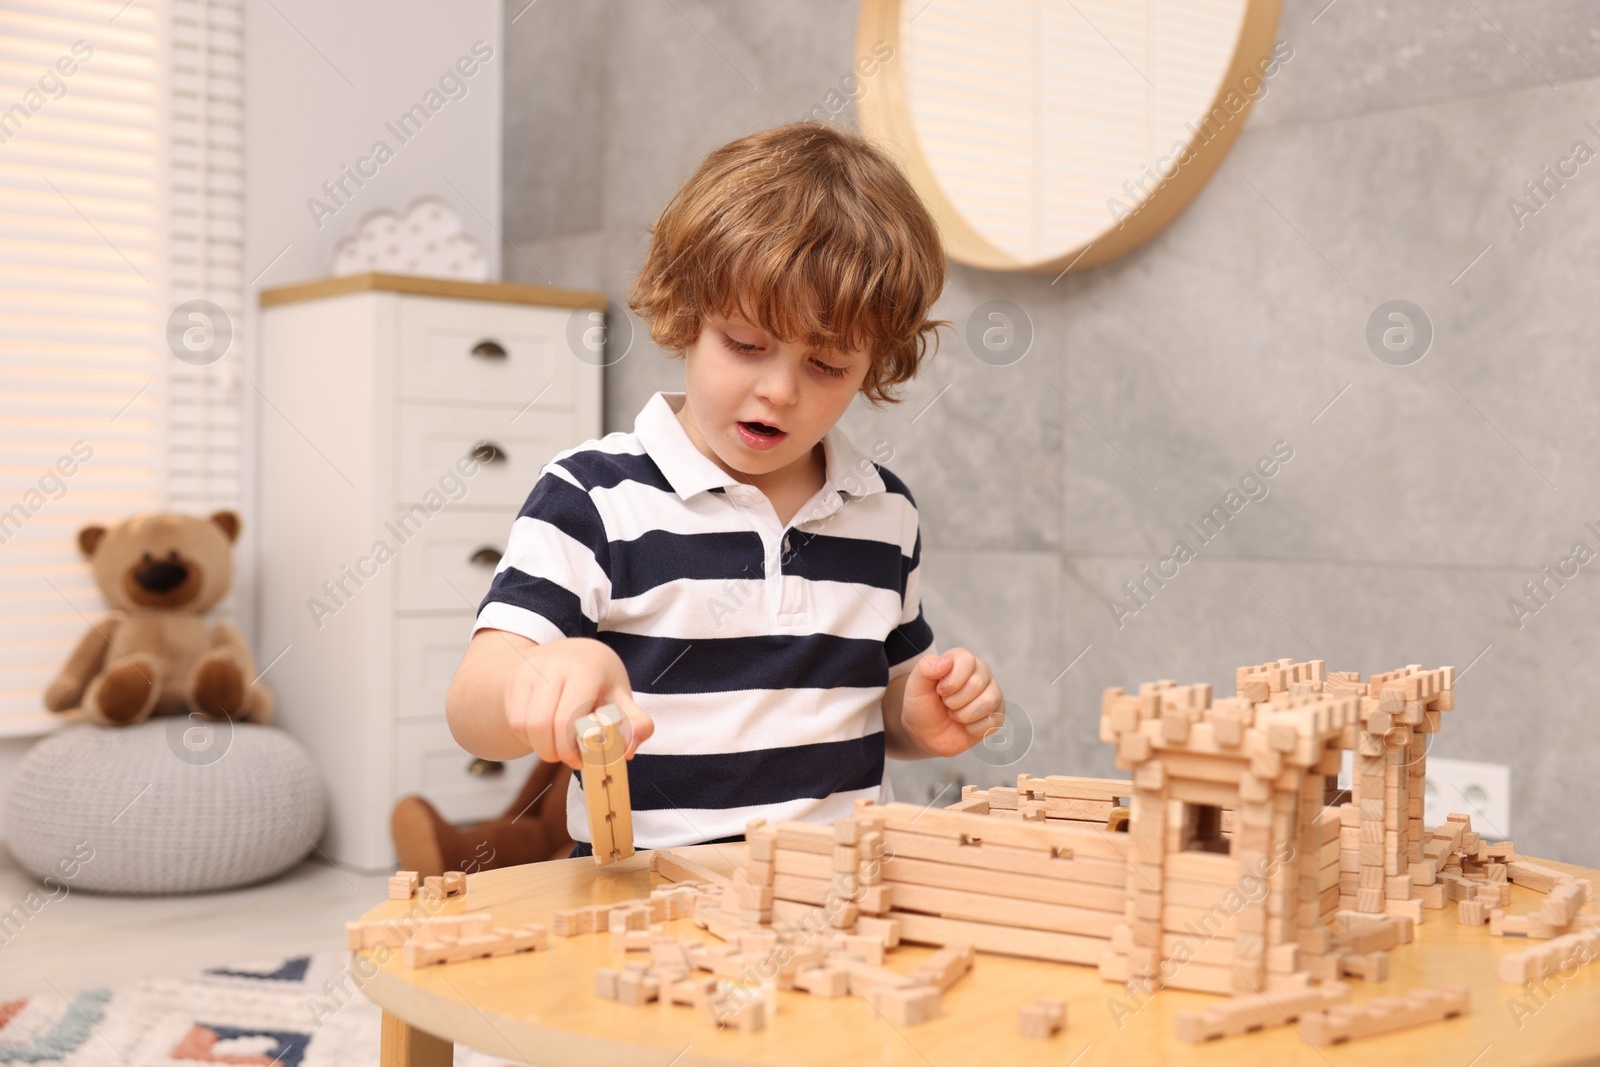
(815, 235)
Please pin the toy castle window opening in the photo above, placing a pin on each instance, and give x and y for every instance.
(1202, 829)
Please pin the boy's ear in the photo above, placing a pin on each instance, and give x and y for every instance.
(89, 539)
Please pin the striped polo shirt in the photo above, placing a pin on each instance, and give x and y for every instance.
(760, 651)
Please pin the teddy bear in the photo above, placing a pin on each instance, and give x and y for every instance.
(154, 655)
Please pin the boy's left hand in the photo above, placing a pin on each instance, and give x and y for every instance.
(952, 702)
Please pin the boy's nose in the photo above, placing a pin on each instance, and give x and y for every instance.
(777, 386)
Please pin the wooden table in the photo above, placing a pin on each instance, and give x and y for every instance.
(541, 1007)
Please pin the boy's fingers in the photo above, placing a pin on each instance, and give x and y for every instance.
(569, 748)
(987, 725)
(961, 670)
(972, 710)
(968, 693)
(985, 713)
(639, 725)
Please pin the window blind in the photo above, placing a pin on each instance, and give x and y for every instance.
(120, 198)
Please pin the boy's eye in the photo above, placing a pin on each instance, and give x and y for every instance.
(745, 349)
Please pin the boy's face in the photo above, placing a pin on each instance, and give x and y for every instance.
(737, 374)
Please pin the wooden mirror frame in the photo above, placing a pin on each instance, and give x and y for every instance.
(885, 117)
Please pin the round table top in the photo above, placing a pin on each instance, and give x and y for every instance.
(541, 1007)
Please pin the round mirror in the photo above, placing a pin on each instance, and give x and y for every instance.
(1047, 134)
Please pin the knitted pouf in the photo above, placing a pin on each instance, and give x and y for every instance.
(172, 805)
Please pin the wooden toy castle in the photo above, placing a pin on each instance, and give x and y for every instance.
(1228, 863)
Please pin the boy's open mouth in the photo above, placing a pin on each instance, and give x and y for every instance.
(761, 428)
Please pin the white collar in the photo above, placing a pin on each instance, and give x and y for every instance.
(849, 472)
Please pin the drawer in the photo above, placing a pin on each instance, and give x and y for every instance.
(428, 761)
(433, 438)
(473, 350)
(449, 560)
(427, 653)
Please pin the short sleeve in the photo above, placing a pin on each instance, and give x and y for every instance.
(554, 579)
(913, 637)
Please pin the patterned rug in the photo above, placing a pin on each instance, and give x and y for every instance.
(301, 1012)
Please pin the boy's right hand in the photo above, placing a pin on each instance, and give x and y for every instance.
(560, 682)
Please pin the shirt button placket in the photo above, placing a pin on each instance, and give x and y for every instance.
(793, 591)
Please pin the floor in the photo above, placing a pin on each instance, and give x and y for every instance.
(82, 940)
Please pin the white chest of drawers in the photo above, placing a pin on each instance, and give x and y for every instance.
(403, 422)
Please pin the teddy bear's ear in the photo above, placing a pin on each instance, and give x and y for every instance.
(89, 539)
(229, 523)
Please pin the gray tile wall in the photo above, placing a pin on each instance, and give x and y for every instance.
(1418, 498)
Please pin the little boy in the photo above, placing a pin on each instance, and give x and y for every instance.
(734, 574)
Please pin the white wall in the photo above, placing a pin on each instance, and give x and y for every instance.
(322, 80)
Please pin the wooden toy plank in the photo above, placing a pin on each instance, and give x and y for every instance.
(977, 907)
(674, 867)
(1384, 1014)
(914, 928)
(1533, 876)
(903, 869)
(805, 837)
(1257, 1011)
(1068, 841)
(605, 784)
(987, 856)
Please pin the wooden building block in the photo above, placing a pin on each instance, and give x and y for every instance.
(454, 883)
(946, 966)
(1471, 913)
(605, 982)
(761, 843)
(635, 988)
(1042, 1018)
(572, 922)
(826, 981)
(902, 1006)
(675, 868)
(1384, 1014)
(605, 783)
(1533, 876)
(428, 948)
(1258, 1011)
(1563, 954)
(885, 931)
(403, 885)
(857, 946)
(1373, 966)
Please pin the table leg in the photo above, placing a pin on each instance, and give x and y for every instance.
(403, 1045)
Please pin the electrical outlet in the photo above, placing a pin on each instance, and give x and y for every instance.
(1481, 791)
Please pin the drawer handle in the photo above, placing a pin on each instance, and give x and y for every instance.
(487, 556)
(485, 768)
(487, 349)
(488, 452)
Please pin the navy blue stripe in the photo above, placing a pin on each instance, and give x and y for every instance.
(908, 639)
(586, 848)
(893, 484)
(658, 557)
(569, 509)
(595, 469)
(542, 597)
(909, 563)
(761, 776)
(823, 558)
(769, 661)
